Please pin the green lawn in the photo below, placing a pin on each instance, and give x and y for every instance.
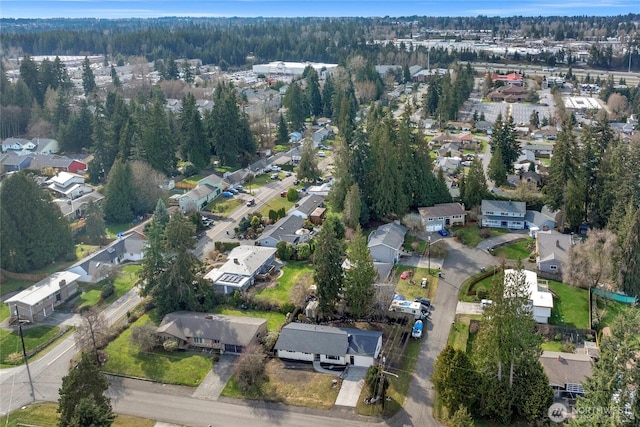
(516, 250)
(193, 179)
(113, 229)
(408, 244)
(33, 337)
(415, 290)
(275, 320)
(291, 275)
(459, 334)
(13, 285)
(83, 250)
(224, 205)
(471, 285)
(45, 414)
(552, 346)
(470, 234)
(126, 280)
(276, 203)
(608, 310)
(4, 311)
(180, 367)
(571, 307)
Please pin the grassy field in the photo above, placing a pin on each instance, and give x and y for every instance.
(290, 386)
(126, 280)
(459, 334)
(223, 205)
(571, 307)
(608, 310)
(292, 273)
(516, 250)
(83, 250)
(33, 337)
(397, 391)
(193, 179)
(470, 234)
(276, 203)
(180, 367)
(274, 320)
(4, 311)
(113, 229)
(415, 290)
(46, 415)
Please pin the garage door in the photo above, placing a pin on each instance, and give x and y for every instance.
(434, 227)
(230, 348)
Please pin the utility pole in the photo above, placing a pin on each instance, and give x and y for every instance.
(24, 353)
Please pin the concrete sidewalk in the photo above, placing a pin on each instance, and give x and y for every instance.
(351, 387)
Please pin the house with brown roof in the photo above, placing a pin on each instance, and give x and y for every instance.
(226, 334)
(508, 93)
(567, 372)
(436, 217)
(511, 78)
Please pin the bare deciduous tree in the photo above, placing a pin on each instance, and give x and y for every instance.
(413, 222)
(617, 104)
(382, 299)
(250, 367)
(591, 262)
(92, 333)
(145, 337)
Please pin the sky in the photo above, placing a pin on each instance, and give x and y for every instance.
(110, 9)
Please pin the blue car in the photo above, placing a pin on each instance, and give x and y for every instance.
(443, 232)
(227, 194)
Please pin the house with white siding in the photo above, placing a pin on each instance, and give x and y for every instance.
(503, 214)
(244, 263)
(327, 344)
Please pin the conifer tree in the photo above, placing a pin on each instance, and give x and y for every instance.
(95, 228)
(193, 144)
(475, 185)
(497, 171)
(88, 79)
(308, 167)
(119, 194)
(360, 276)
(283, 131)
(327, 258)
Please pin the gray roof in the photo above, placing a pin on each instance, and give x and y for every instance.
(442, 209)
(286, 226)
(13, 160)
(50, 160)
(246, 260)
(235, 330)
(309, 203)
(563, 368)
(504, 206)
(391, 235)
(318, 339)
(539, 219)
(553, 245)
(200, 192)
(131, 243)
(67, 208)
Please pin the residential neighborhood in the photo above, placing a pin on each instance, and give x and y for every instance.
(420, 230)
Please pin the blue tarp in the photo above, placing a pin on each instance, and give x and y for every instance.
(625, 299)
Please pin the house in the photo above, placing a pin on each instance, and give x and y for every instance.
(448, 164)
(508, 93)
(68, 185)
(511, 78)
(56, 163)
(321, 190)
(14, 144)
(540, 299)
(295, 137)
(539, 149)
(76, 208)
(38, 301)
(284, 230)
(307, 205)
(15, 163)
(441, 215)
(503, 214)
(197, 198)
(326, 344)
(321, 135)
(552, 251)
(46, 146)
(484, 126)
(318, 215)
(96, 266)
(544, 220)
(385, 246)
(212, 180)
(567, 372)
(244, 264)
(463, 126)
(227, 334)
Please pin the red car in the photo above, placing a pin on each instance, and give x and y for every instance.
(406, 274)
(283, 194)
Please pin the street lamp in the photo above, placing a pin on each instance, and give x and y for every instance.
(429, 252)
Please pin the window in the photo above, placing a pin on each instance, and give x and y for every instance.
(198, 340)
(215, 341)
(553, 267)
(332, 357)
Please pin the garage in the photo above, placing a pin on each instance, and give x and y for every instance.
(435, 225)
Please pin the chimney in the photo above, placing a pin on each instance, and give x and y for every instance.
(235, 260)
(63, 282)
(557, 243)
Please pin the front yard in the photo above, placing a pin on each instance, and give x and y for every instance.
(223, 205)
(295, 272)
(471, 234)
(275, 204)
(179, 367)
(516, 250)
(299, 387)
(33, 338)
(91, 293)
(45, 414)
(411, 287)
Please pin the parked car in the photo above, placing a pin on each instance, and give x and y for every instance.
(424, 301)
(288, 174)
(485, 303)
(251, 202)
(240, 188)
(304, 189)
(233, 191)
(443, 232)
(406, 274)
(416, 332)
(227, 194)
(322, 154)
(283, 194)
(296, 182)
(274, 176)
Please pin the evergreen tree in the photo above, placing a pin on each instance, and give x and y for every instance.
(171, 68)
(119, 194)
(497, 171)
(612, 388)
(82, 396)
(431, 99)
(308, 167)
(161, 214)
(157, 145)
(312, 93)
(360, 277)
(455, 379)
(461, 418)
(475, 187)
(30, 75)
(327, 97)
(294, 103)
(352, 207)
(327, 259)
(283, 131)
(78, 133)
(115, 80)
(629, 263)
(95, 228)
(193, 144)
(187, 74)
(88, 79)
(33, 232)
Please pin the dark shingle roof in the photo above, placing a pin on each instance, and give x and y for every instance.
(318, 339)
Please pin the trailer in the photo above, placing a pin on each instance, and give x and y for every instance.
(408, 307)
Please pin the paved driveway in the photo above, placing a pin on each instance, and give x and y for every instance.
(351, 387)
(217, 378)
(492, 242)
(468, 308)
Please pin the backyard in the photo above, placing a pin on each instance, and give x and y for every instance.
(45, 414)
(275, 320)
(516, 250)
(410, 287)
(293, 273)
(300, 387)
(570, 306)
(92, 293)
(409, 241)
(179, 367)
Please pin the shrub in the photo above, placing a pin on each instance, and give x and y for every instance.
(287, 307)
(484, 233)
(557, 337)
(269, 340)
(250, 367)
(170, 345)
(303, 251)
(15, 358)
(481, 292)
(145, 337)
(107, 290)
(190, 170)
(568, 347)
(292, 194)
